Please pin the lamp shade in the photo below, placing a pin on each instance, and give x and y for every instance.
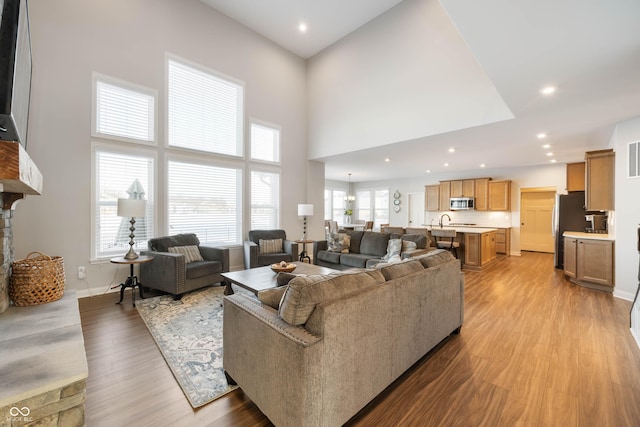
(131, 208)
(305, 210)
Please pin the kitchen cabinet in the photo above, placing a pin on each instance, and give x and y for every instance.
(499, 195)
(503, 241)
(432, 198)
(479, 249)
(462, 188)
(589, 262)
(482, 193)
(575, 176)
(445, 195)
(600, 187)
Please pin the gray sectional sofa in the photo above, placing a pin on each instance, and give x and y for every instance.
(365, 248)
(315, 351)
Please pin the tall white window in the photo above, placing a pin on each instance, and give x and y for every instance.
(338, 205)
(205, 200)
(123, 111)
(205, 111)
(363, 205)
(265, 200)
(265, 142)
(121, 174)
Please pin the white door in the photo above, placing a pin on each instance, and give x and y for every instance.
(415, 210)
(535, 221)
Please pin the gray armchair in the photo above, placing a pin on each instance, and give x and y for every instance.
(252, 256)
(170, 273)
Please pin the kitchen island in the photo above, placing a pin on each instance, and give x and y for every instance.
(477, 245)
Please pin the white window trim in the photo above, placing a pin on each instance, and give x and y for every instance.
(95, 77)
(172, 57)
(95, 146)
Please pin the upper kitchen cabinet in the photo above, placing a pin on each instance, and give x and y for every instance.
(463, 188)
(575, 176)
(600, 167)
(445, 195)
(432, 198)
(499, 195)
(482, 194)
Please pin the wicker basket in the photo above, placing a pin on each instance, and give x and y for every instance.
(37, 280)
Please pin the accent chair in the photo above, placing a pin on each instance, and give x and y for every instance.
(266, 247)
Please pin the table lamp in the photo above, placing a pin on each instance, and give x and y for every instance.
(305, 210)
(131, 208)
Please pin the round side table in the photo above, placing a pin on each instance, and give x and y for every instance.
(132, 280)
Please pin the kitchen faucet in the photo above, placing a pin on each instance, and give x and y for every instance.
(442, 216)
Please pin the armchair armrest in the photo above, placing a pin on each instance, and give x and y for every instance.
(290, 247)
(211, 253)
(166, 271)
(250, 254)
(319, 245)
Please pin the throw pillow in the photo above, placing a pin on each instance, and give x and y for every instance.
(270, 246)
(338, 242)
(191, 253)
(408, 245)
(272, 296)
(393, 250)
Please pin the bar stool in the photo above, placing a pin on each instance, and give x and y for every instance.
(441, 235)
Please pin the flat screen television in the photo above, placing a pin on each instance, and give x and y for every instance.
(15, 70)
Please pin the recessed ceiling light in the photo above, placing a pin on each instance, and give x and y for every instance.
(546, 146)
(387, 159)
(553, 160)
(482, 165)
(446, 164)
(549, 154)
(548, 90)
(541, 135)
(452, 150)
(428, 170)
(302, 27)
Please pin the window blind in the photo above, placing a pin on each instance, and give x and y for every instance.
(124, 113)
(205, 111)
(205, 200)
(116, 173)
(265, 196)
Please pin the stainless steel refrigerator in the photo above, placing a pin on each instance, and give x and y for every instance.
(568, 215)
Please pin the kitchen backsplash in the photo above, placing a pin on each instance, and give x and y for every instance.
(480, 218)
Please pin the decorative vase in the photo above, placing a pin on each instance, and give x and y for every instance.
(347, 219)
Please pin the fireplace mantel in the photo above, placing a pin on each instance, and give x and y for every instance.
(19, 175)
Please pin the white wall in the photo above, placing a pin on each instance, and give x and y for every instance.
(128, 40)
(378, 85)
(627, 212)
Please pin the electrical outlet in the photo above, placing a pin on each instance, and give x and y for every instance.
(82, 273)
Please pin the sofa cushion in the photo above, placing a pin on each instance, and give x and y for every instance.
(374, 243)
(356, 239)
(436, 257)
(356, 260)
(305, 292)
(272, 296)
(202, 268)
(272, 246)
(191, 253)
(162, 244)
(326, 256)
(394, 270)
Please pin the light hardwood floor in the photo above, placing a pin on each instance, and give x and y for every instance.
(535, 350)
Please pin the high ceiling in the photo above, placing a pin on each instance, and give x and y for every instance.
(588, 49)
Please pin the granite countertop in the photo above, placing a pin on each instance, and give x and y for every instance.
(591, 236)
(41, 348)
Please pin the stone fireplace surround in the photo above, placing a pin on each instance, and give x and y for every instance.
(43, 365)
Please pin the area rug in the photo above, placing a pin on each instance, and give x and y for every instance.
(188, 332)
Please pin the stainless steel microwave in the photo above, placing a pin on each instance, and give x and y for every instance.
(461, 203)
